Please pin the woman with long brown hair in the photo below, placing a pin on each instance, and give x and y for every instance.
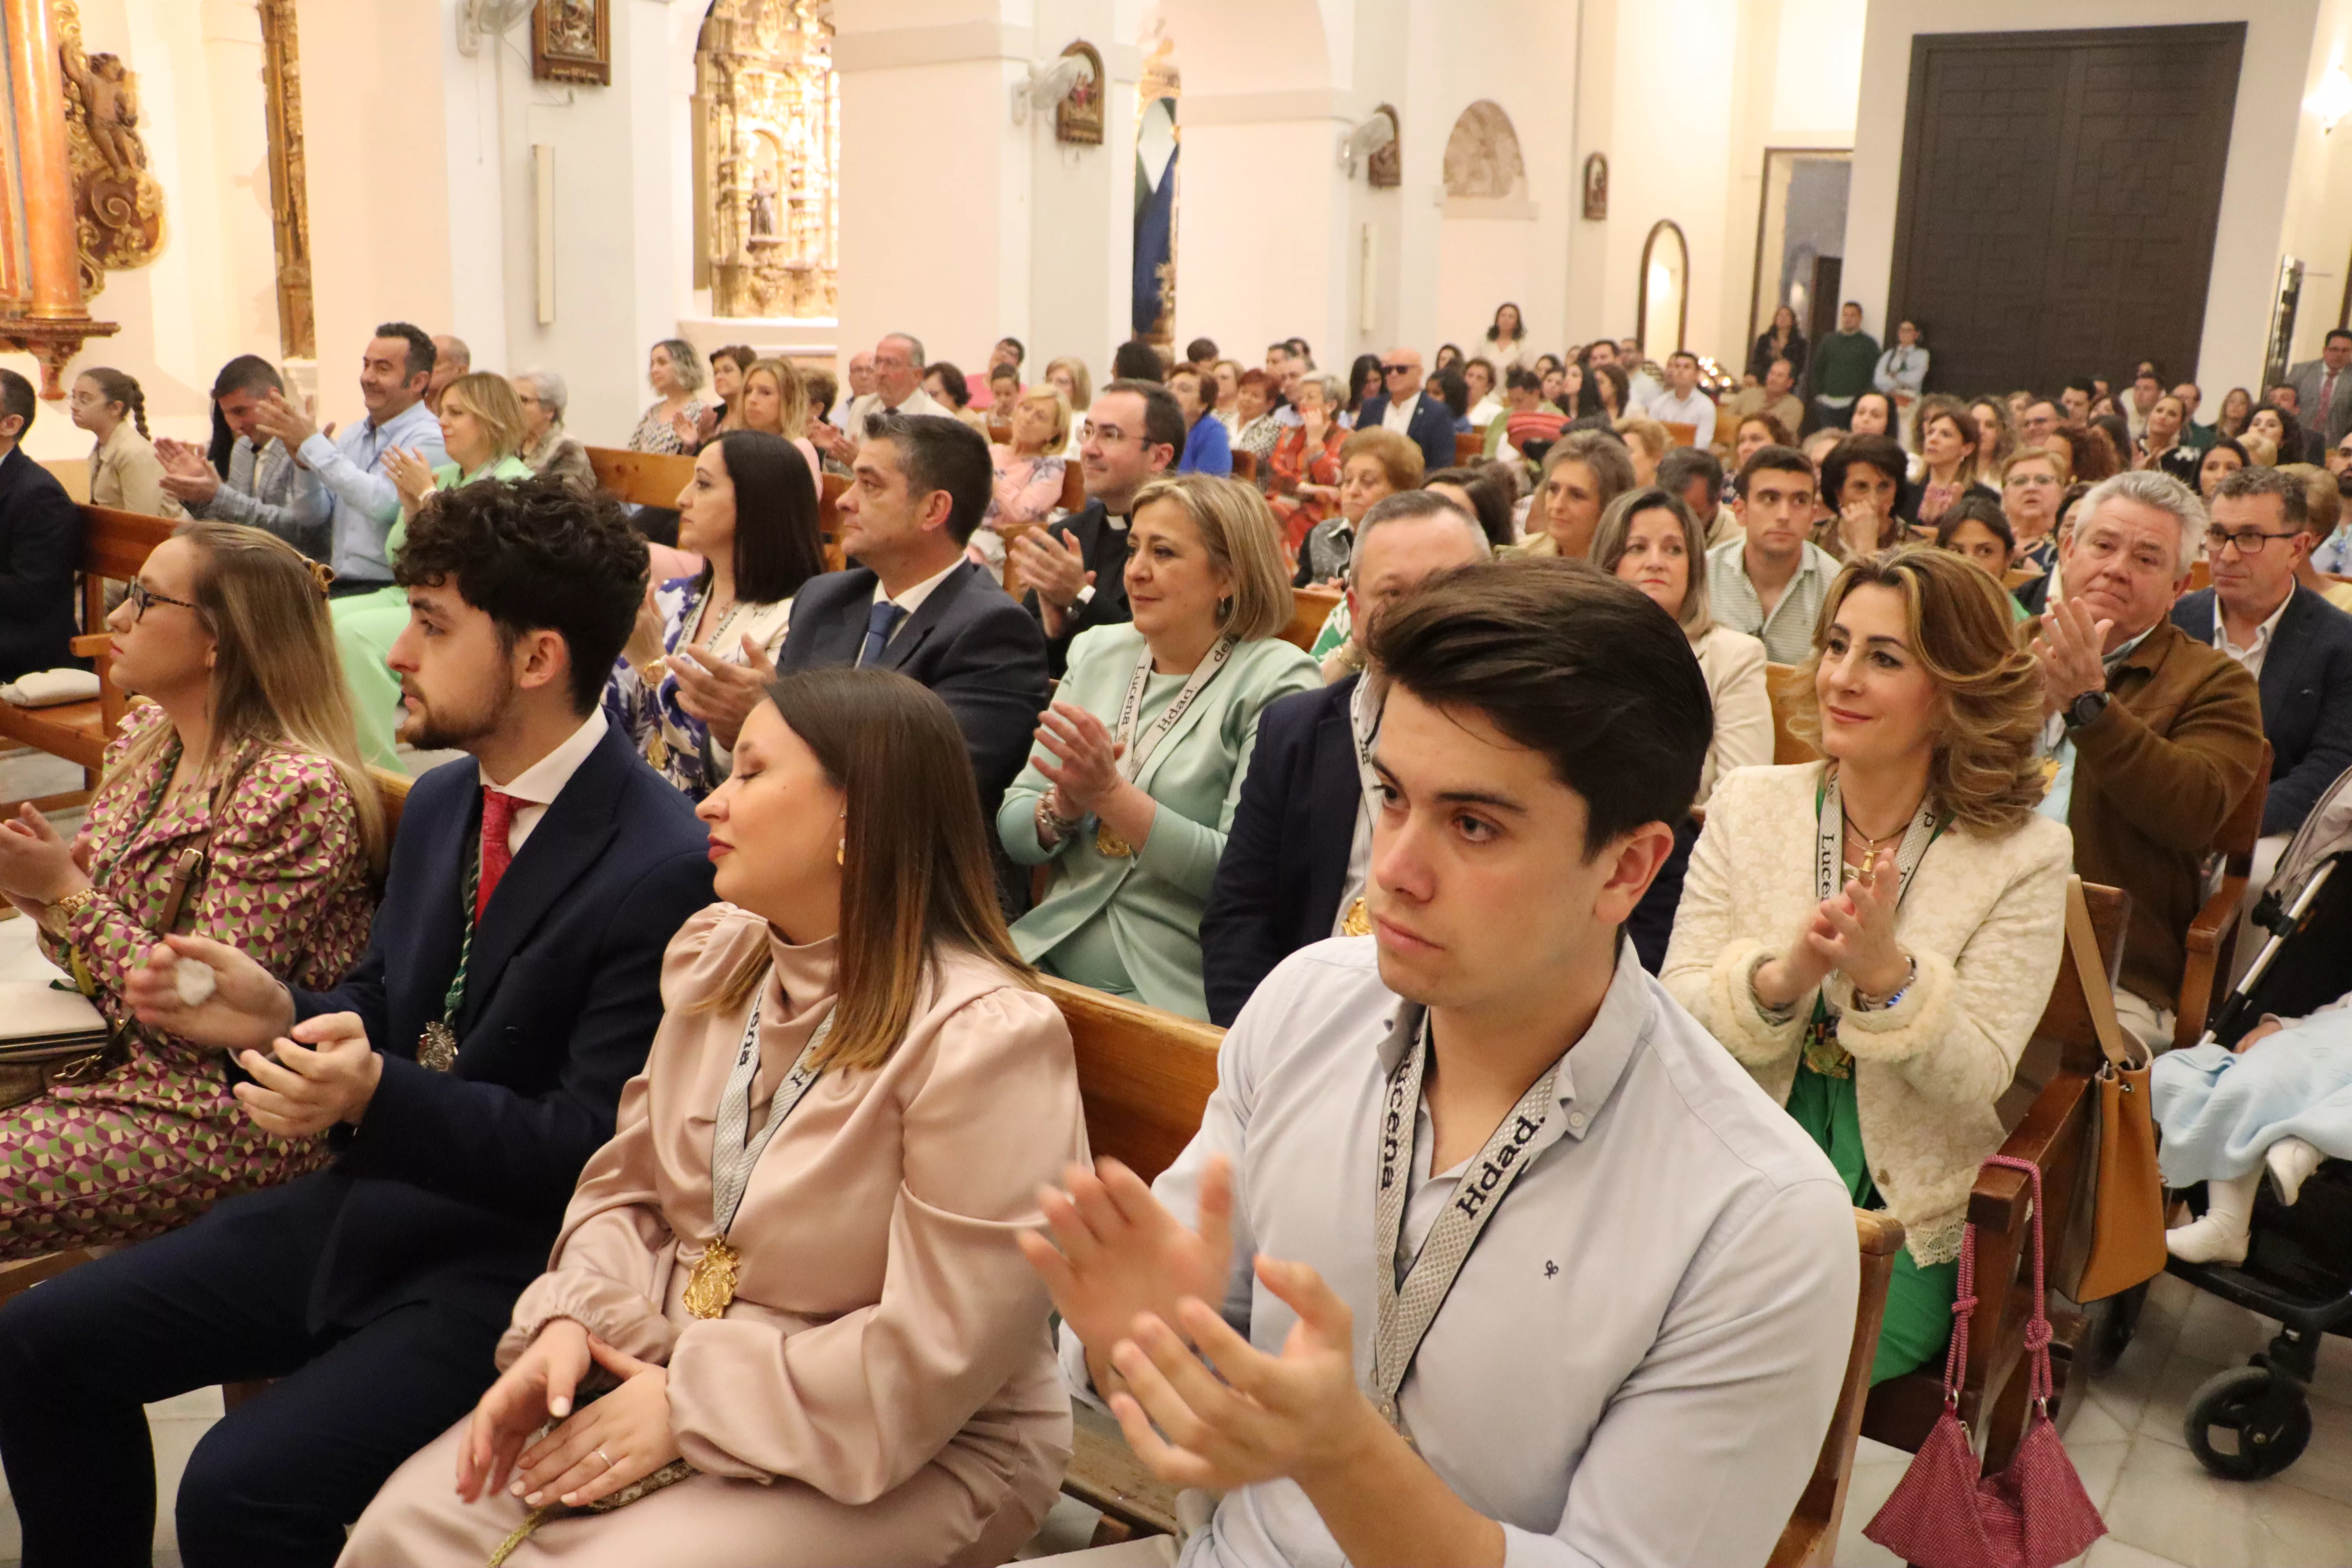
(774, 398)
(797, 1254)
(1889, 1025)
(242, 752)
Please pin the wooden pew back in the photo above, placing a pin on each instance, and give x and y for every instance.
(114, 545)
(1145, 1075)
(1309, 608)
(1810, 1538)
(1780, 682)
(642, 479)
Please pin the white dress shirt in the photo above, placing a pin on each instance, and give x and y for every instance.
(541, 783)
(1399, 417)
(2250, 659)
(1639, 1358)
(919, 402)
(1697, 409)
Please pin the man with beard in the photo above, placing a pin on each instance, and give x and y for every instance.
(464, 1071)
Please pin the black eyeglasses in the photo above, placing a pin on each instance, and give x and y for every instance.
(140, 596)
(2249, 540)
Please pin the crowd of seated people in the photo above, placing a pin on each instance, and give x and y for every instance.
(465, 1140)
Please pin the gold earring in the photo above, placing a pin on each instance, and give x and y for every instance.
(841, 852)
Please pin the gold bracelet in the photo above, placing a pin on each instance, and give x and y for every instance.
(53, 916)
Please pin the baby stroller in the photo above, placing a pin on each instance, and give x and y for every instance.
(2254, 1421)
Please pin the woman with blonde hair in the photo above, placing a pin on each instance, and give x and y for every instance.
(1303, 488)
(1646, 442)
(675, 373)
(1067, 376)
(1147, 743)
(794, 1273)
(243, 755)
(1374, 465)
(1873, 935)
(775, 399)
(1030, 471)
(484, 430)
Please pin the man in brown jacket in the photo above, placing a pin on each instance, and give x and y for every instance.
(2156, 735)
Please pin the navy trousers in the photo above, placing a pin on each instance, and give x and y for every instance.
(223, 1301)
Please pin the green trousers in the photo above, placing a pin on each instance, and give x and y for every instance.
(365, 627)
(1918, 1300)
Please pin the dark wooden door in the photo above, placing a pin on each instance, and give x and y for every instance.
(2059, 199)
(1828, 271)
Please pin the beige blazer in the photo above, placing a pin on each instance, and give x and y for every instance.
(1733, 663)
(883, 1387)
(1984, 921)
(126, 474)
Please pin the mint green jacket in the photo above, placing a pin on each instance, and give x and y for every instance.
(1153, 899)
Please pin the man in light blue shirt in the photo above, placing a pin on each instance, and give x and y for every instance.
(393, 378)
(265, 487)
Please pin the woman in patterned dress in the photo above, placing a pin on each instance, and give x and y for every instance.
(248, 736)
(675, 372)
(705, 646)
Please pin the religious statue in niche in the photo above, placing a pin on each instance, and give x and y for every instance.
(770, 111)
(1384, 170)
(1482, 154)
(1596, 185)
(118, 206)
(571, 40)
(1078, 117)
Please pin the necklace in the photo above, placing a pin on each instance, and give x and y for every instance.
(1867, 841)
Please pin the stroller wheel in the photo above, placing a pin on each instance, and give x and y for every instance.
(2261, 1421)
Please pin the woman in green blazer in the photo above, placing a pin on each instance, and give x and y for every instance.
(1147, 743)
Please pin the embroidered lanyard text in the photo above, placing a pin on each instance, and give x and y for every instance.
(734, 1148)
(1140, 748)
(1407, 1311)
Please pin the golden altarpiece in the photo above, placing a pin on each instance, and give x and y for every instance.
(767, 152)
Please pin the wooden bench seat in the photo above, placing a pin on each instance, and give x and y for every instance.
(114, 545)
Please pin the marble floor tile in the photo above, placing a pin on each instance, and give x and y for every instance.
(2166, 1503)
(2109, 1553)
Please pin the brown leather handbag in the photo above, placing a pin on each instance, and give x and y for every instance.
(2126, 1246)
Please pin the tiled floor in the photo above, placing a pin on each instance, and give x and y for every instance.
(2164, 1510)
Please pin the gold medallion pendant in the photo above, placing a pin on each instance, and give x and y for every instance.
(436, 1048)
(1822, 1052)
(711, 1286)
(1111, 843)
(1359, 921)
(658, 751)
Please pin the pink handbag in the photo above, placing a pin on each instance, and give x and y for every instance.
(2034, 1514)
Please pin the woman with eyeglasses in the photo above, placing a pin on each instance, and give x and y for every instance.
(242, 752)
(2031, 483)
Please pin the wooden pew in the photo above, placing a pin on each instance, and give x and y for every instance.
(1780, 682)
(1309, 608)
(2213, 936)
(1245, 465)
(114, 545)
(2055, 1134)
(642, 479)
(1074, 486)
(1468, 448)
(1681, 432)
(1810, 1538)
(831, 487)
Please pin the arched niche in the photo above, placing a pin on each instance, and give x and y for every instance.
(1665, 287)
(768, 118)
(1482, 155)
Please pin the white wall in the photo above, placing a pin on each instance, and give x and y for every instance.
(1082, 221)
(2256, 186)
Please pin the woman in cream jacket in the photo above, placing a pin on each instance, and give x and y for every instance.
(850, 1363)
(1887, 1011)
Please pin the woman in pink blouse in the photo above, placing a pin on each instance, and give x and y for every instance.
(246, 751)
(1029, 471)
(792, 1273)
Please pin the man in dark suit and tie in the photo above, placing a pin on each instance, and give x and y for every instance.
(2296, 645)
(1298, 855)
(1075, 570)
(1402, 407)
(40, 546)
(2323, 390)
(914, 604)
(463, 1072)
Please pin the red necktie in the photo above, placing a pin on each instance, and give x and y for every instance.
(2326, 397)
(497, 818)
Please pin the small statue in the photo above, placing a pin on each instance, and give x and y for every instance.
(111, 104)
(763, 208)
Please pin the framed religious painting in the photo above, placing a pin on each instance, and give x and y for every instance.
(1596, 187)
(571, 40)
(1078, 113)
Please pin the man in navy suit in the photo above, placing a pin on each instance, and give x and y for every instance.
(1402, 407)
(40, 546)
(1298, 855)
(1075, 570)
(2296, 646)
(464, 1072)
(914, 604)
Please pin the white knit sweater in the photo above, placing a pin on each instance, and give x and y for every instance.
(1984, 921)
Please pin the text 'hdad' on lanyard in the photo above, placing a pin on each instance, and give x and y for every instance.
(1821, 1050)
(1406, 1312)
(711, 1285)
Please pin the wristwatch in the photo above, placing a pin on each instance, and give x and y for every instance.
(2085, 709)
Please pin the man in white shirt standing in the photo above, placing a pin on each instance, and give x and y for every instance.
(1682, 403)
(1656, 1267)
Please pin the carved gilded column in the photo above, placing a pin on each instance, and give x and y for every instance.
(46, 317)
(45, 165)
(290, 203)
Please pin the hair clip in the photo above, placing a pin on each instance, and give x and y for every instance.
(324, 576)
